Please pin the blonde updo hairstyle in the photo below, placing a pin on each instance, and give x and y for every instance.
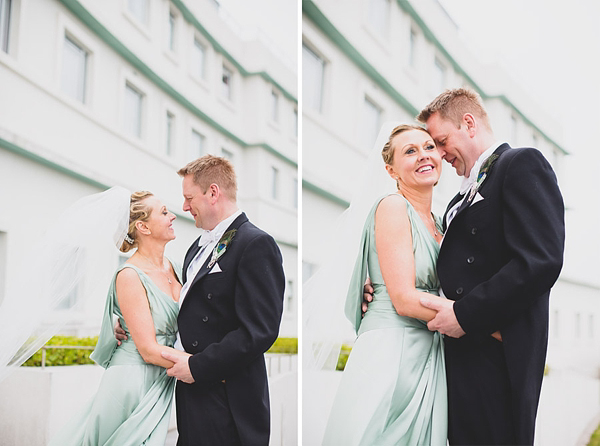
(388, 151)
(138, 211)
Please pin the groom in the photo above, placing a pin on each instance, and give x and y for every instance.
(502, 252)
(230, 310)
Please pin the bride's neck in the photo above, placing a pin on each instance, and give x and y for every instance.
(420, 199)
(153, 252)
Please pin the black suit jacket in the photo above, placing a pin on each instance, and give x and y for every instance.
(229, 319)
(499, 258)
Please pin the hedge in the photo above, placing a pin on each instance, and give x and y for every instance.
(56, 356)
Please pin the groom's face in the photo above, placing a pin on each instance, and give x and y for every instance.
(196, 202)
(452, 142)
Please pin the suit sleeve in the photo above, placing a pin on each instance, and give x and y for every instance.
(533, 225)
(258, 305)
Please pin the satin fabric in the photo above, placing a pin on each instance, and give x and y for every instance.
(393, 389)
(133, 404)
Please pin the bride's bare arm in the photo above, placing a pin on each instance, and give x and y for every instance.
(393, 239)
(136, 311)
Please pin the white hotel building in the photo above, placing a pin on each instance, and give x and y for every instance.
(125, 92)
(366, 62)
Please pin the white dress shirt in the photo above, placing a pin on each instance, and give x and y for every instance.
(208, 241)
(468, 182)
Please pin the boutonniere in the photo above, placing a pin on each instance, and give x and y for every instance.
(221, 246)
(483, 173)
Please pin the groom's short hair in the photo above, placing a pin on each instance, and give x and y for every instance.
(211, 169)
(452, 106)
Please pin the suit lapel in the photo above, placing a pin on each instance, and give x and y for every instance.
(189, 255)
(466, 203)
(204, 270)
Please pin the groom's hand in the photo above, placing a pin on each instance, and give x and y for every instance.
(368, 291)
(445, 321)
(180, 369)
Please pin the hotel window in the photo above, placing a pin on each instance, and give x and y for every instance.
(3, 264)
(439, 76)
(227, 154)
(133, 110)
(274, 183)
(226, 80)
(412, 48)
(371, 122)
(74, 70)
(274, 106)
(591, 326)
(197, 142)
(4, 24)
(289, 297)
(513, 129)
(169, 133)
(172, 29)
(139, 9)
(295, 192)
(198, 59)
(295, 122)
(313, 70)
(379, 12)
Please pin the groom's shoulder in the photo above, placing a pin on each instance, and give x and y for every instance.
(249, 232)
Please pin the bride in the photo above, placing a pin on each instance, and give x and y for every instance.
(393, 389)
(133, 403)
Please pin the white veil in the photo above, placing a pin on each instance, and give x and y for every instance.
(55, 267)
(325, 327)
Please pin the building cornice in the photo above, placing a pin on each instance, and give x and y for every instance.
(109, 39)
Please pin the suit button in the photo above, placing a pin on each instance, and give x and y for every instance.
(474, 231)
(195, 344)
(205, 319)
(471, 259)
(459, 290)
(209, 297)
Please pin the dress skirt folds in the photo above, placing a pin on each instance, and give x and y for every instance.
(133, 404)
(393, 389)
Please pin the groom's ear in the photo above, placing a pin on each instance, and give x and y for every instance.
(214, 191)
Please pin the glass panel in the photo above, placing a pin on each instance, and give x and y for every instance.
(133, 111)
(139, 9)
(198, 56)
(226, 82)
(313, 68)
(378, 15)
(4, 24)
(169, 133)
(196, 145)
(74, 70)
(371, 123)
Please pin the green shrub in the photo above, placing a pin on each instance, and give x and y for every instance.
(343, 358)
(284, 345)
(56, 356)
(595, 438)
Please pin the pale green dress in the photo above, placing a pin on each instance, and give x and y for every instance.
(133, 404)
(393, 389)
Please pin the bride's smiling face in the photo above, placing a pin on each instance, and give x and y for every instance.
(160, 222)
(416, 161)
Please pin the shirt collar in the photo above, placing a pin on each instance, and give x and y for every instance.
(468, 182)
(217, 232)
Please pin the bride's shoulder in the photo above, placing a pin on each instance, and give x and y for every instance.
(392, 203)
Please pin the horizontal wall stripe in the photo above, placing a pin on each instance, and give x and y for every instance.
(323, 193)
(90, 21)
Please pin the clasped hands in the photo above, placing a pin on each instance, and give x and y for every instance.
(445, 321)
(180, 368)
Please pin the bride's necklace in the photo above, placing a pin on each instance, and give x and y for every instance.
(435, 231)
(157, 269)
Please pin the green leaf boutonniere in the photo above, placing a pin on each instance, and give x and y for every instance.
(483, 173)
(221, 247)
